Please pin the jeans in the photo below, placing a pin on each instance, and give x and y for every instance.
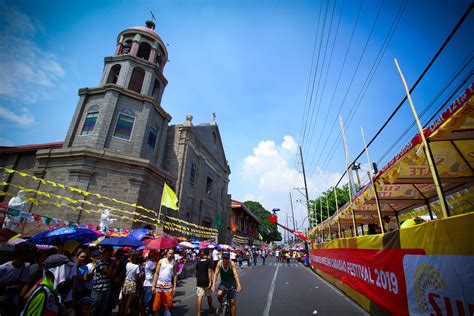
(254, 262)
(100, 300)
(263, 259)
(147, 297)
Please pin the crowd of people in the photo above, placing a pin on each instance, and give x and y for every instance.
(82, 280)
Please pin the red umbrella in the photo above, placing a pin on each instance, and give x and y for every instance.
(161, 243)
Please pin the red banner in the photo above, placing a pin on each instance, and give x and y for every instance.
(378, 274)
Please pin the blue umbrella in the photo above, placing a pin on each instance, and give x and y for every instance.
(59, 236)
(139, 233)
(127, 241)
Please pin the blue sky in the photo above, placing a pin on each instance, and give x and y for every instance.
(250, 63)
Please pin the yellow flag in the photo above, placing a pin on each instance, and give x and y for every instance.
(168, 198)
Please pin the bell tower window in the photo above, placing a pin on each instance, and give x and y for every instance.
(89, 123)
(152, 136)
(114, 74)
(124, 127)
(127, 46)
(136, 80)
(144, 50)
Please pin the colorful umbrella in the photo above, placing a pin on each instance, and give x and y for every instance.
(128, 241)
(226, 247)
(207, 245)
(186, 244)
(140, 233)
(163, 242)
(59, 236)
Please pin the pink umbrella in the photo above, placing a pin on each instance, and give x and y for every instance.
(186, 244)
(207, 244)
(164, 242)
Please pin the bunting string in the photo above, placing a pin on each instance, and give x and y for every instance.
(86, 193)
(142, 218)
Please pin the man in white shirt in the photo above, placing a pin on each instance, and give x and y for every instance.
(390, 226)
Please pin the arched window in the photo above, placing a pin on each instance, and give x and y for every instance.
(136, 80)
(156, 89)
(144, 50)
(114, 74)
(126, 47)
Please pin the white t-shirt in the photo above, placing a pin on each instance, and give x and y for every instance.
(277, 253)
(10, 274)
(149, 272)
(132, 271)
(215, 255)
(232, 255)
(392, 227)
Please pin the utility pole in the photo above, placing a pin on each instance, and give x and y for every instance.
(287, 233)
(305, 185)
(292, 212)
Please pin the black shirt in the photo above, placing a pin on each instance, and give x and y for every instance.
(202, 272)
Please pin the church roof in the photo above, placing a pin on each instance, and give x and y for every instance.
(147, 30)
(237, 204)
(31, 147)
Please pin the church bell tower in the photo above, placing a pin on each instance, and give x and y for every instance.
(123, 114)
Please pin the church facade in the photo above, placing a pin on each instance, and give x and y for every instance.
(120, 144)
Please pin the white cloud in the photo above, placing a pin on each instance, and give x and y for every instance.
(289, 144)
(29, 73)
(23, 118)
(268, 176)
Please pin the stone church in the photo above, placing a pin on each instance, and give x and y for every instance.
(120, 144)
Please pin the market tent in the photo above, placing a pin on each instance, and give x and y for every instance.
(405, 186)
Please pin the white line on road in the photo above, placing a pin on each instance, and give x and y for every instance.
(270, 294)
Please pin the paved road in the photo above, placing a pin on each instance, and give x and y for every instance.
(276, 289)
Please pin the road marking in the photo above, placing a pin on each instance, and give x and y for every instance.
(270, 294)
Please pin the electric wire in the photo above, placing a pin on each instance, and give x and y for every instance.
(338, 80)
(413, 87)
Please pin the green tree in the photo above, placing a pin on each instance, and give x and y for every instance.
(329, 196)
(268, 230)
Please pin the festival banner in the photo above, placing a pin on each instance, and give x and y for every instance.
(378, 274)
(439, 285)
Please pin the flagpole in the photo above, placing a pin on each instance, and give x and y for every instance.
(428, 152)
(159, 214)
(377, 202)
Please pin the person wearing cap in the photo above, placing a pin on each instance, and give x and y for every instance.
(229, 281)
